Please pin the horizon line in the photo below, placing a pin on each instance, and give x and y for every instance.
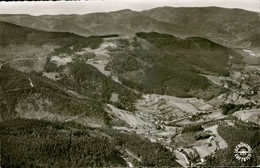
(235, 8)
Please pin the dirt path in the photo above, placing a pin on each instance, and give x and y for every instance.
(128, 162)
(181, 158)
(20, 59)
(31, 82)
(68, 92)
(73, 118)
(132, 155)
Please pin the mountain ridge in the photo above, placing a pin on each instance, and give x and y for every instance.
(230, 27)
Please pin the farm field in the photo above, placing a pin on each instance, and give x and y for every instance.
(252, 115)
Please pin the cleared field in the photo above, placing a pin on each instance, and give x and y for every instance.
(51, 75)
(168, 132)
(114, 97)
(205, 147)
(61, 61)
(184, 122)
(252, 115)
(101, 58)
(100, 65)
(214, 79)
(182, 103)
(159, 102)
(230, 97)
(101, 51)
(133, 120)
(181, 158)
(216, 115)
(249, 57)
(221, 142)
(200, 104)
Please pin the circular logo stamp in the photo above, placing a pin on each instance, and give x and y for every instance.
(243, 152)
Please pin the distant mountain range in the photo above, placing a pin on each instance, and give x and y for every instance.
(230, 27)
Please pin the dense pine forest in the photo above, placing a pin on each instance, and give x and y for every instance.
(38, 143)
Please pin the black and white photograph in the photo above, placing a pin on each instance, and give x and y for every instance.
(129, 83)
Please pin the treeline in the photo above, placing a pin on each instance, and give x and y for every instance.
(107, 36)
(201, 135)
(192, 128)
(230, 108)
(197, 132)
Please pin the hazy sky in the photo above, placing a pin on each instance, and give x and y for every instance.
(82, 7)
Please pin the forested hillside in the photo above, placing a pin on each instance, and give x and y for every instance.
(14, 34)
(169, 65)
(196, 51)
(94, 91)
(82, 89)
(38, 143)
